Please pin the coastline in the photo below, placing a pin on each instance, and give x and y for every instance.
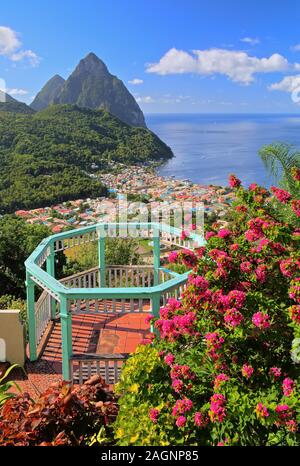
(140, 184)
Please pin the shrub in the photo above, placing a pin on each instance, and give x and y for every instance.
(221, 372)
(62, 415)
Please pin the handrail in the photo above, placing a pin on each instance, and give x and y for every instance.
(106, 226)
(95, 357)
(58, 288)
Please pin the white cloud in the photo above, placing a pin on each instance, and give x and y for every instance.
(136, 81)
(236, 65)
(10, 47)
(33, 59)
(16, 91)
(145, 100)
(296, 48)
(9, 41)
(250, 40)
(287, 84)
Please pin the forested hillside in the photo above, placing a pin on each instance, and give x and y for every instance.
(49, 156)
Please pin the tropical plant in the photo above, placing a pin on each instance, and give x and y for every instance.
(222, 372)
(62, 415)
(279, 159)
(5, 394)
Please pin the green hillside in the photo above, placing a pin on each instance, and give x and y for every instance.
(47, 157)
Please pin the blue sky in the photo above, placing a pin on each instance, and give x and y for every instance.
(180, 55)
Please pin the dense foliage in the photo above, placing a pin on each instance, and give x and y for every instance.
(50, 156)
(62, 415)
(225, 370)
(17, 241)
(15, 107)
(118, 251)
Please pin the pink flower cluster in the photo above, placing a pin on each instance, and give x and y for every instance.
(153, 415)
(213, 342)
(294, 312)
(182, 372)
(173, 257)
(188, 258)
(285, 415)
(260, 273)
(261, 320)
(182, 406)
(184, 235)
(200, 419)
(234, 182)
(294, 290)
(233, 317)
(257, 227)
(282, 195)
(209, 234)
(224, 233)
(169, 310)
(169, 359)
(219, 379)
(289, 267)
(149, 318)
(288, 386)
(275, 372)
(177, 385)
(181, 421)
(261, 410)
(199, 282)
(149, 340)
(246, 267)
(171, 329)
(295, 205)
(247, 371)
(217, 411)
(263, 243)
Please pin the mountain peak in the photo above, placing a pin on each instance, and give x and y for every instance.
(48, 93)
(91, 85)
(92, 63)
(57, 77)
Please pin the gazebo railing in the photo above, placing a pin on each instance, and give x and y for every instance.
(108, 366)
(42, 315)
(104, 289)
(86, 279)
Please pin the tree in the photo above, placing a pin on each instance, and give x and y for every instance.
(17, 240)
(279, 159)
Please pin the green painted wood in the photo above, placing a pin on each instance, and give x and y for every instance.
(101, 257)
(31, 317)
(50, 268)
(156, 255)
(66, 334)
(155, 301)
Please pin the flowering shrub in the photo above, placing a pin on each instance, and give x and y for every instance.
(221, 371)
(62, 415)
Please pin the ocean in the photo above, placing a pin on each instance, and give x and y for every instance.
(208, 147)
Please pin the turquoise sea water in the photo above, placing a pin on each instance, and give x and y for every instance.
(208, 147)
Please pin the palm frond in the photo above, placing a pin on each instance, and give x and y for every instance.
(279, 158)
